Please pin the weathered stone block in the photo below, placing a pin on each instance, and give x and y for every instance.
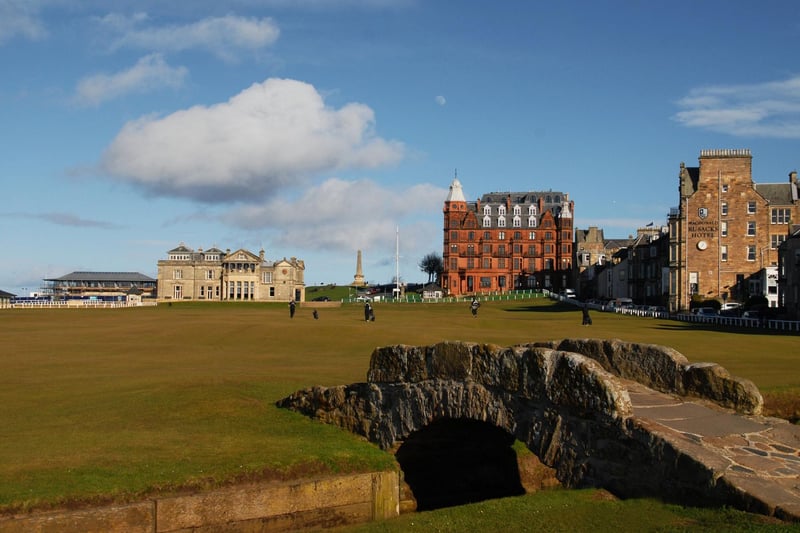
(493, 366)
(581, 383)
(133, 518)
(449, 360)
(243, 504)
(398, 363)
(709, 380)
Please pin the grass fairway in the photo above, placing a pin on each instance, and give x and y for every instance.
(115, 404)
(562, 511)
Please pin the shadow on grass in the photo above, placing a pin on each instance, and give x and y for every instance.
(696, 326)
(556, 308)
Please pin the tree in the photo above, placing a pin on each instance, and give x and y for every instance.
(432, 265)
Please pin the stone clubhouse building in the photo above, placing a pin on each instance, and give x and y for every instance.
(218, 275)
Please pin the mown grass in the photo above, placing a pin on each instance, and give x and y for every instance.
(561, 511)
(100, 405)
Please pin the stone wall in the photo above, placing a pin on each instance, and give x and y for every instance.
(317, 503)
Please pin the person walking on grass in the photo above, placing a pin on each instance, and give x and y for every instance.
(291, 308)
(474, 307)
(587, 320)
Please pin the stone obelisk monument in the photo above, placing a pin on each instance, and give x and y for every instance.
(358, 279)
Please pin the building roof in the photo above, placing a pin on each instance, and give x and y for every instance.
(456, 193)
(616, 244)
(776, 193)
(181, 248)
(4, 294)
(105, 276)
(526, 197)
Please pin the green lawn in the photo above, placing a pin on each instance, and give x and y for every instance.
(562, 511)
(116, 404)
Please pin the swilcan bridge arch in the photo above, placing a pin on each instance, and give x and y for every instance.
(635, 419)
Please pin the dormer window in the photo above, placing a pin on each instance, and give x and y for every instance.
(517, 210)
(501, 222)
(487, 222)
(517, 222)
(501, 210)
(532, 222)
(487, 210)
(531, 209)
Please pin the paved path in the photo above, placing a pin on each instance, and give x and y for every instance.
(758, 455)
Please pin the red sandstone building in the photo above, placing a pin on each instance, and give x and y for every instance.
(725, 234)
(506, 241)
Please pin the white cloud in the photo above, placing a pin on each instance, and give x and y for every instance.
(271, 135)
(441, 100)
(20, 18)
(149, 73)
(223, 36)
(347, 215)
(62, 219)
(770, 109)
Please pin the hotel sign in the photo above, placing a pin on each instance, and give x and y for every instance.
(703, 229)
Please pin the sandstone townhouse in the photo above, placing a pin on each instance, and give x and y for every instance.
(726, 229)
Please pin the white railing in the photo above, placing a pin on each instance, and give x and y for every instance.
(741, 322)
(482, 297)
(719, 320)
(78, 304)
(649, 313)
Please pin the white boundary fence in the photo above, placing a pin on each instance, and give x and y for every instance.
(483, 297)
(741, 322)
(77, 304)
(717, 320)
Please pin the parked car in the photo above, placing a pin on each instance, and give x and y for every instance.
(321, 299)
(704, 311)
(620, 303)
(363, 299)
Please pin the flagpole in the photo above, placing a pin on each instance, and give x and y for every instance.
(397, 261)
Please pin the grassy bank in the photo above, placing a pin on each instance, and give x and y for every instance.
(116, 404)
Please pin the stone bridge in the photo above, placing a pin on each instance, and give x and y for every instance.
(635, 419)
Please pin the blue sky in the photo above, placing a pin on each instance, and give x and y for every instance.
(315, 128)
